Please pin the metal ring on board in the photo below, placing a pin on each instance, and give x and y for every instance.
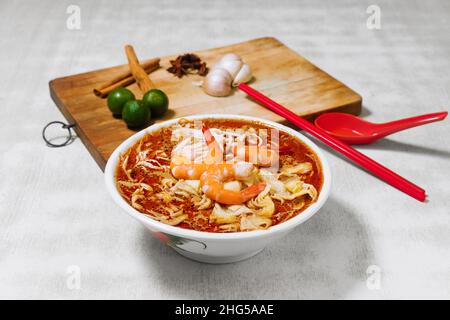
(64, 126)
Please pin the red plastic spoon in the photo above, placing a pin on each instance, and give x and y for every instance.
(353, 130)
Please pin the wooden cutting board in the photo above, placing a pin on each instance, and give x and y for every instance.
(279, 73)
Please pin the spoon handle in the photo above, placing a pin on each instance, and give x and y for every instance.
(402, 124)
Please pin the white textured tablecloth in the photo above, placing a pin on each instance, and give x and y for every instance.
(57, 218)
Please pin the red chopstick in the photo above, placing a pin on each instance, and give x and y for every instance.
(357, 157)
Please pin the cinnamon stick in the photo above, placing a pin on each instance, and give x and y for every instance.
(125, 78)
(142, 79)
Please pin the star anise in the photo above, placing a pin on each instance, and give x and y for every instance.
(188, 63)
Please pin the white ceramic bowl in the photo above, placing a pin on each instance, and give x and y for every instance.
(208, 246)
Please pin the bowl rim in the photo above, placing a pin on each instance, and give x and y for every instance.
(110, 168)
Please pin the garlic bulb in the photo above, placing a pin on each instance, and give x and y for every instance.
(229, 71)
(232, 66)
(218, 83)
(231, 56)
(244, 75)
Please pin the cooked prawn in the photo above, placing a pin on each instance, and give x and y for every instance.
(213, 173)
(261, 156)
(213, 179)
(213, 176)
(188, 171)
(184, 168)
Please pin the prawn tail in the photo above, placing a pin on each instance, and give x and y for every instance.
(252, 191)
(209, 138)
(213, 145)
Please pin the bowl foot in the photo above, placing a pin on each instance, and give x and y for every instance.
(216, 260)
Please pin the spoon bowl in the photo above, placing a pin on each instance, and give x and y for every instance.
(354, 130)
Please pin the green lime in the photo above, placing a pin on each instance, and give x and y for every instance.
(157, 101)
(135, 113)
(117, 99)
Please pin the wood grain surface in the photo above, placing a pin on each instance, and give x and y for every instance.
(279, 72)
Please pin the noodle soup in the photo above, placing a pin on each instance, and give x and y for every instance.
(219, 175)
